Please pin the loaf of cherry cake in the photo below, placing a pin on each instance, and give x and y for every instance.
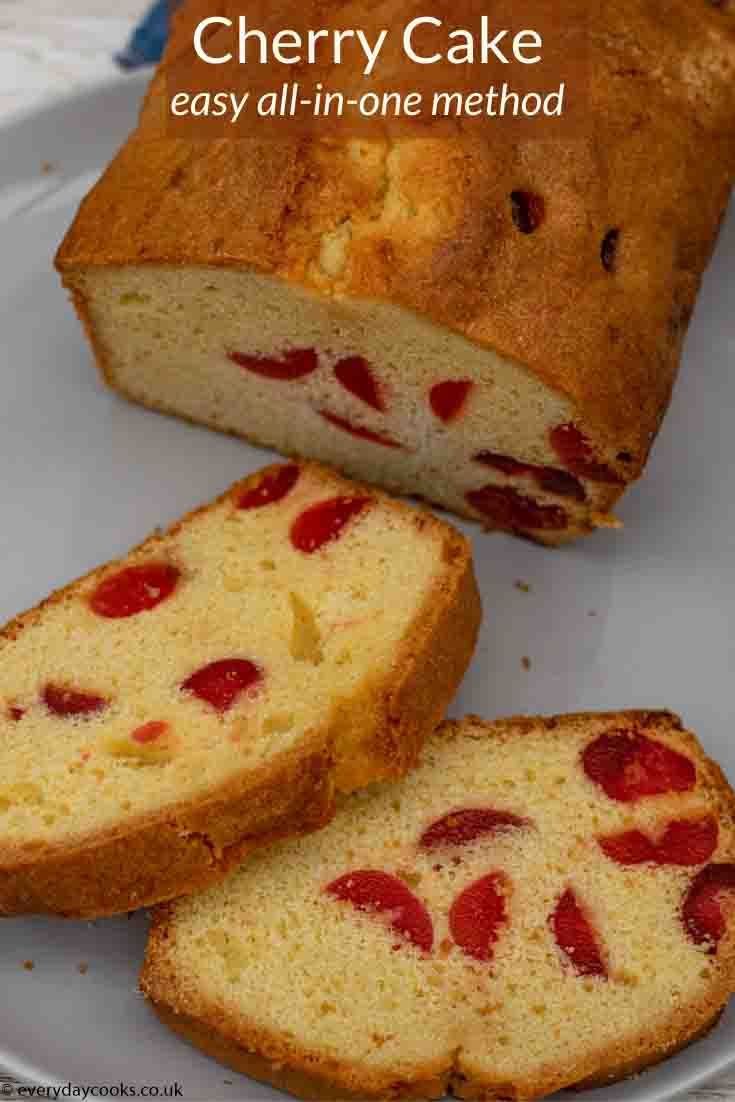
(210, 692)
(544, 902)
(491, 325)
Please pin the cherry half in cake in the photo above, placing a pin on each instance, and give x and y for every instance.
(220, 684)
(487, 927)
(567, 488)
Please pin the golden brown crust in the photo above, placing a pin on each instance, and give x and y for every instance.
(429, 666)
(298, 1082)
(176, 852)
(313, 1087)
(187, 847)
(629, 1068)
(312, 1075)
(657, 164)
(620, 1063)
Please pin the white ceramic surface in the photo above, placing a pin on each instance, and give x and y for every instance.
(84, 475)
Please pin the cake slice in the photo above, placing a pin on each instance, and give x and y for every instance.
(543, 903)
(491, 324)
(167, 713)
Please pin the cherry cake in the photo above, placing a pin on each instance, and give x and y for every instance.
(543, 903)
(169, 712)
(491, 324)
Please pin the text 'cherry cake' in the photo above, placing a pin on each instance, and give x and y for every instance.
(492, 324)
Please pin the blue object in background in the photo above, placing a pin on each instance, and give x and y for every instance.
(149, 38)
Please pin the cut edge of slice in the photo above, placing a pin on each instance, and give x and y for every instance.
(320, 1076)
(189, 845)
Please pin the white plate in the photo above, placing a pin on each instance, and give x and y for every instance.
(85, 475)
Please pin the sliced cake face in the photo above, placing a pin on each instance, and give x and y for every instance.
(540, 903)
(282, 617)
(366, 386)
(491, 323)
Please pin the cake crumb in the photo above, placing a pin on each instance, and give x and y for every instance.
(523, 587)
(526, 662)
(82, 968)
(47, 167)
(592, 612)
(29, 965)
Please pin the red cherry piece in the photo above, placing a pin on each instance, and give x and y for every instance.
(221, 683)
(149, 732)
(684, 842)
(16, 714)
(477, 915)
(272, 487)
(503, 463)
(380, 893)
(460, 828)
(447, 399)
(575, 452)
(294, 364)
(575, 937)
(133, 590)
(505, 508)
(528, 210)
(702, 911)
(69, 702)
(688, 842)
(550, 479)
(632, 847)
(629, 766)
(356, 430)
(554, 481)
(322, 523)
(355, 375)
